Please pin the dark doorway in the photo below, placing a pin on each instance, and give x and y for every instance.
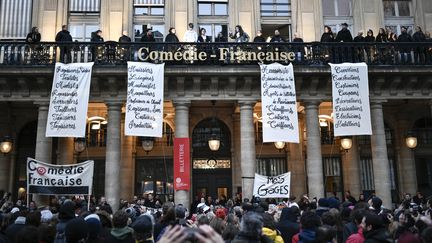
(211, 171)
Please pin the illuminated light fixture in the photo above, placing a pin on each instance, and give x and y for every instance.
(323, 123)
(346, 143)
(96, 118)
(104, 122)
(411, 141)
(6, 145)
(147, 144)
(95, 126)
(279, 145)
(79, 145)
(214, 141)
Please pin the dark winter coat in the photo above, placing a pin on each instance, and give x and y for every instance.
(201, 39)
(171, 38)
(148, 38)
(245, 238)
(288, 225)
(370, 38)
(377, 236)
(344, 35)
(123, 235)
(125, 39)
(96, 38)
(327, 37)
(63, 36)
(404, 37)
(34, 36)
(277, 38)
(359, 38)
(259, 39)
(418, 36)
(349, 229)
(381, 38)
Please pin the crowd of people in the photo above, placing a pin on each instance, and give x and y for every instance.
(237, 220)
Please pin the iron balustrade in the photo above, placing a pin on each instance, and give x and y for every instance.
(229, 53)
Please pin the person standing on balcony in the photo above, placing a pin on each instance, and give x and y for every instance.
(299, 50)
(344, 35)
(239, 35)
(203, 38)
(370, 49)
(405, 51)
(125, 38)
(97, 51)
(277, 37)
(97, 36)
(259, 37)
(190, 35)
(34, 36)
(171, 37)
(64, 36)
(148, 37)
(419, 52)
(328, 35)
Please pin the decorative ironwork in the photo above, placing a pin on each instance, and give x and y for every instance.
(314, 53)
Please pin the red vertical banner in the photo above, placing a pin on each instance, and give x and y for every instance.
(181, 164)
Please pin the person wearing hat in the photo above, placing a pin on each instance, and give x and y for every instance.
(66, 213)
(143, 228)
(76, 231)
(344, 35)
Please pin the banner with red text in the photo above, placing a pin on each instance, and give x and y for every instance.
(278, 104)
(181, 164)
(49, 179)
(351, 111)
(67, 114)
(145, 99)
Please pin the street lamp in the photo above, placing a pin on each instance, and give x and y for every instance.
(6, 145)
(79, 145)
(147, 144)
(279, 145)
(411, 141)
(346, 143)
(214, 141)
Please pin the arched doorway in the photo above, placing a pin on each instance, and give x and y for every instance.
(211, 171)
(26, 145)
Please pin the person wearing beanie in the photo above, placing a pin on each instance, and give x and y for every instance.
(323, 206)
(76, 230)
(66, 213)
(143, 228)
(120, 231)
(94, 227)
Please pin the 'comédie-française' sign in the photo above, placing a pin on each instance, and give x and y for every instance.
(272, 186)
(49, 179)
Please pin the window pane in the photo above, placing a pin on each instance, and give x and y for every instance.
(282, 1)
(221, 9)
(204, 9)
(344, 7)
(404, 8)
(77, 32)
(389, 8)
(267, 1)
(283, 7)
(328, 8)
(157, 11)
(159, 32)
(141, 11)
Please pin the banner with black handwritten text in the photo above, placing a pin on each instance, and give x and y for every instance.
(272, 186)
(278, 104)
(67, 112)
(144, 104)
(351, 111)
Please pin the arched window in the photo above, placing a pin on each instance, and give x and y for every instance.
(204, 131)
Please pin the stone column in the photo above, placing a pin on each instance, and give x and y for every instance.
(182, 131)
(113, 154)
(66, 151)
(314, 164)
(127, 166)
(351, 169)
(381, 167)
(43, 144)
(247, 151)
(296, 165)
(236, 164)
(406, 163)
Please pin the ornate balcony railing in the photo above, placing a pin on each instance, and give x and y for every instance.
(314, 53)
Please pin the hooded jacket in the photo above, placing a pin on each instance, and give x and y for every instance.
(307, 236)
(288, 225)
(123, 235)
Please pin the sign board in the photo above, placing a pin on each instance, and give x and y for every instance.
(272, 186)
(181, 164)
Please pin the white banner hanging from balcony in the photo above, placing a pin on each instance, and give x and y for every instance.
(67, 112)
(278, 104)
(351, 111)
(272, 186)
(144, 103)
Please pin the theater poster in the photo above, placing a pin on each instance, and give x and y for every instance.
(181, 164)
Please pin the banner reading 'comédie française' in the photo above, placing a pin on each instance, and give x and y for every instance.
(351, 111)
(272, 186)
(181, 164)
(69, 100)
(144, 104)
(278, 104)
(48, 179)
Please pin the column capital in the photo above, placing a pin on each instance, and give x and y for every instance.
(311, 103)
(377, 102)
(113, 103)
(178, 103)
(247, 102)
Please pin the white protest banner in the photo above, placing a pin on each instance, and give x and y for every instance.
(272, 186)
(67, 112)
(48, 179)
(144, 104)
(351, 111)
(278, 104)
